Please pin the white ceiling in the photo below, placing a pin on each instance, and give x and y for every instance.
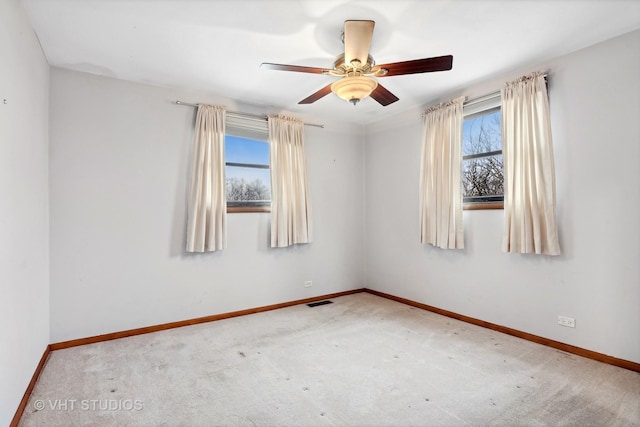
(217, 46)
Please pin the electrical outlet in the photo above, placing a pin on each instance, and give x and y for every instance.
(308, 284)
(567, 321)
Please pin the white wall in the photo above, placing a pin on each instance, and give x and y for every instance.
(119, 166)
(24, 197)
(595, 106)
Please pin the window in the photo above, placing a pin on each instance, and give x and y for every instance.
(482, 163)
(247, 173)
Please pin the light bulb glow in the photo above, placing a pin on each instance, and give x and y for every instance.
(354, 88)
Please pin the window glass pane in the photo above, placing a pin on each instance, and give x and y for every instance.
(483, 177)
(483, 173)
(481, 134)
(247, 184)
(243, 150)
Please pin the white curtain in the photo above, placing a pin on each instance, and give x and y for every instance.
(440, 170)
(530, 193)
(207, 210)
(290, 204)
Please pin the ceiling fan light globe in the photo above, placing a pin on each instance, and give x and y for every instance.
(354, 88)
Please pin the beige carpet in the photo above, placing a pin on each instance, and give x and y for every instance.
(362, 360)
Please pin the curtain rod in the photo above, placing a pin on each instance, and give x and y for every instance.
(238, 114)
(495, 94)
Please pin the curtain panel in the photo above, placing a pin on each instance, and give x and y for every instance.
(440, 174)
(207, 209)
(530, 193)
(290, 203)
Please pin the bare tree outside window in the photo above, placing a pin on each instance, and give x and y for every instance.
(239, 190)
(482, 162)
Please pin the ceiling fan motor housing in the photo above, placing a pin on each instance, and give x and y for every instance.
(341, 68)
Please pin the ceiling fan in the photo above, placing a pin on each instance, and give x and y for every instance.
(357, 70)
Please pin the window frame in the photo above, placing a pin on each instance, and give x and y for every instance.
(475, 108)
(253, 129)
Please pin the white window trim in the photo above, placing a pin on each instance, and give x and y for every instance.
(481, 104)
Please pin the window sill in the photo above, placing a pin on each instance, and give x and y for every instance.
(246, 209)
(482, 206)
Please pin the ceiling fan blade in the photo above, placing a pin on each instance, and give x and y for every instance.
(425, 65)
(357, 40)
(298, 68)
(315, 96)
(383, 96)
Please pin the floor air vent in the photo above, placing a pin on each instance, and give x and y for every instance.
(315, 304)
